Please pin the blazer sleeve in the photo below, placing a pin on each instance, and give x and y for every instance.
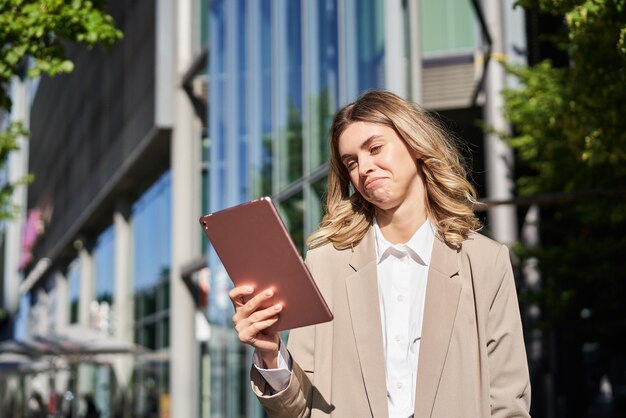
(293, 401)
(296, 399)
(508, 365)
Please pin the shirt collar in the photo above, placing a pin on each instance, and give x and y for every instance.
(419, 246)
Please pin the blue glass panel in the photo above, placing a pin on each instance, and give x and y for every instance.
(326, 99)
(294, 54)
(151, 220)
(242, 103)
(104, 261)
(217, 33)
(327, 52)
(217, 129)
(291, 127)
(266, 99)
(266, 65)
(22, 318)
(371, 44)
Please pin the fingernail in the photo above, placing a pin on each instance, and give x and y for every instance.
(269, 292)
(278, 307)
(249, 289)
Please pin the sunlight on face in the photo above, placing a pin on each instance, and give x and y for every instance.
(382, 168)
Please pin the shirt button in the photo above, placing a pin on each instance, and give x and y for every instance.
(399, 385)
(400, 298)
(397, 338)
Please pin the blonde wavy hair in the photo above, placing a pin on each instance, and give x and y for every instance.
(449, 195)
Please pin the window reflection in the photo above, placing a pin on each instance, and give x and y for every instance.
(447, 26)
(369, 45)
(151, 215)
(323, 65)
(104, 262)
(290, 104)
(292, 211)
(318, 202)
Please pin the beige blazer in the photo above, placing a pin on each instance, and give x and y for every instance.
(472, 359)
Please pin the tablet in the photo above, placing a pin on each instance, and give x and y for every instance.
(256, 249)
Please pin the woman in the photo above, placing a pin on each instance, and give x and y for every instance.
(426, 321)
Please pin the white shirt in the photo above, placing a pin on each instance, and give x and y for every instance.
(402, 274)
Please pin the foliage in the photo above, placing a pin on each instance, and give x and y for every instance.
(570, 136)
(8, 144)
(32, 35)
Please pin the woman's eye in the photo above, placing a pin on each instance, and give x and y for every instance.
(375, 149)
(350, 165)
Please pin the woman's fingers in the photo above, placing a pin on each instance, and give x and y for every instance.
(254, 335)
(258, 320)
(239, 295)
(244, 307)
(253, 317)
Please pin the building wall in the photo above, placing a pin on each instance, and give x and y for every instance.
(100, 151)
(86, 128)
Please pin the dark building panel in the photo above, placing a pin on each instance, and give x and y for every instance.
(95, 127)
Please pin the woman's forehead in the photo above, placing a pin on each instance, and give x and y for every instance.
(358, 133)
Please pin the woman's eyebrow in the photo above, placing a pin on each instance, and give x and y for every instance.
(363, 145)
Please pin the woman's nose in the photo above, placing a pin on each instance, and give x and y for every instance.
(365, 166)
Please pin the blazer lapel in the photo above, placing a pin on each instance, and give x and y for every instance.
(442, 298)
(362, 291)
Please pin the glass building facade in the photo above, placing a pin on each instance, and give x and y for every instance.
(151, 237)
(278, 70)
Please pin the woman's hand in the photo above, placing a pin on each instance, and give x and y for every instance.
(251, 322)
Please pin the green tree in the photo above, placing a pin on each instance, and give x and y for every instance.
(32, 36)
(570, 138)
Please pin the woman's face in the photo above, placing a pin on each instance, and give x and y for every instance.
(382, 168)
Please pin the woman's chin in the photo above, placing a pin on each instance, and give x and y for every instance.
(381, 201)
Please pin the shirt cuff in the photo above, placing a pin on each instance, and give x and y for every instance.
(278, 378)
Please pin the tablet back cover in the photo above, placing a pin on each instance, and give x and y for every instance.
(256, 249)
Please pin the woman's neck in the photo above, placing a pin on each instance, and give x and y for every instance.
(399, 224)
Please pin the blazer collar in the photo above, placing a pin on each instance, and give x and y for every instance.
(362, 291)
(442, 297)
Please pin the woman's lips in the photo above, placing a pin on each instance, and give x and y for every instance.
(369, 183)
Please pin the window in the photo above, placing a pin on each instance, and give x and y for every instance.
(448, 26)
(151, 216)
(104, 277)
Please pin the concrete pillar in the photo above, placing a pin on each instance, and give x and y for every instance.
(415, 51)
(185, 169)
(395, 60)
(85, 298)
(87, 285)
(17, 168)
(123, 302)
(62, 289)
(502, 220)
(59, 379)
